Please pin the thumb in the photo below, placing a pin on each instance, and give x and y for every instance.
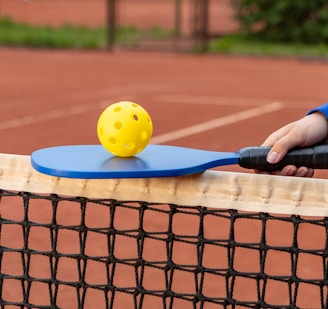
(275, 155)
(280, 148)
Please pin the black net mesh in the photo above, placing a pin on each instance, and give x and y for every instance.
(59, 252)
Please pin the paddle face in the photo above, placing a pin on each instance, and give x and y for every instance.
(94, 162)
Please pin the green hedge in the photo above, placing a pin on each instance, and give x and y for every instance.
(66, 36)
(302, 21)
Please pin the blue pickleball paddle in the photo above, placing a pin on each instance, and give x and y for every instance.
(94, 162)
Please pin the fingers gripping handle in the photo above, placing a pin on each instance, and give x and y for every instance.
(255, 158)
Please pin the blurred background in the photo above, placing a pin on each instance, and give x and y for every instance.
(174, 23)
(281, 27)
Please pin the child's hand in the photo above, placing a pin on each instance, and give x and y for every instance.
(305, 132)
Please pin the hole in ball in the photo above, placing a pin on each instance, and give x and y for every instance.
(112, 140)
(118, 125)
(117, 109)
(135, 117)
(100, 131)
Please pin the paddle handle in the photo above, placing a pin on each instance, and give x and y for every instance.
(315, 157)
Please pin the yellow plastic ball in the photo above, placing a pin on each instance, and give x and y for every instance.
(124, 128)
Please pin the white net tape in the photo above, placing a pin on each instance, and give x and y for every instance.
(215, 189)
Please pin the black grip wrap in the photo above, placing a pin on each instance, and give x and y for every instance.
(315, 157)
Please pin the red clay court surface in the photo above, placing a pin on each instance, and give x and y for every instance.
(55, 97)
(143, 13)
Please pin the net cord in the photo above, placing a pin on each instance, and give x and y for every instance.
(213, 189)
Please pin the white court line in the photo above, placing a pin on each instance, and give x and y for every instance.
(85, 108)
(212, 100)
(54, 114)
(228, 101)
(90, 95)
(218, 122)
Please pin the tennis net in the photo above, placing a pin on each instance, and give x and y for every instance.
(211, 240)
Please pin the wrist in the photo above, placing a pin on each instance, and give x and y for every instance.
(320, 121)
